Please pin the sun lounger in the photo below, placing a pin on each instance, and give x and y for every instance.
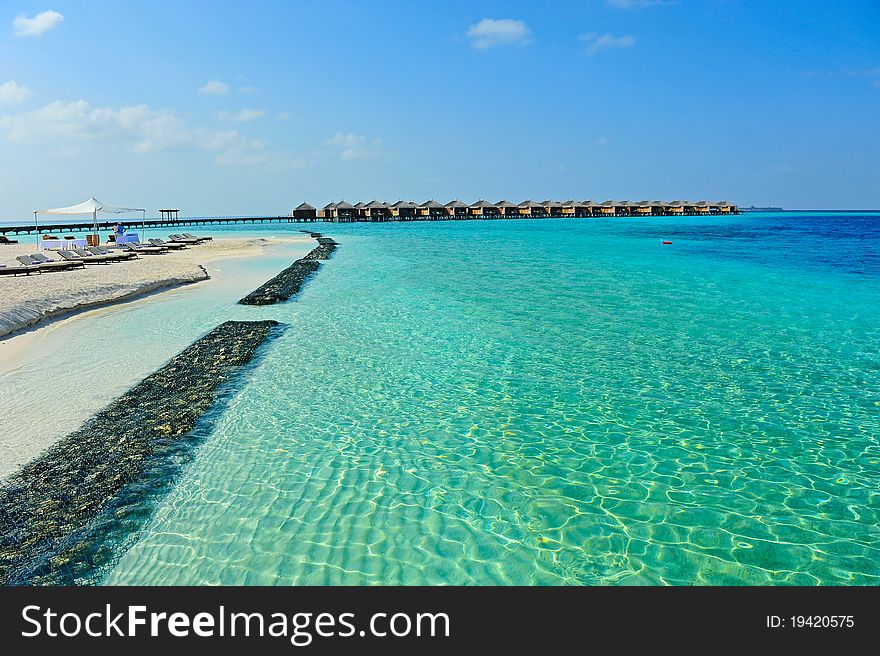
(189, 235)
(48, 265)
(180, 239)
(161, 243)
(146, 250)
(96, 251)
(15, 271)
(70, 256)
(40, 258)
(100, 250)
(6, 240)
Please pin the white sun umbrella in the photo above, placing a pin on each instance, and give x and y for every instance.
(91, 206)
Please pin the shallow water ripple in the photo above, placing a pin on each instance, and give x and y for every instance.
(568, 404)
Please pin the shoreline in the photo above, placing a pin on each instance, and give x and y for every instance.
(19, 350)
(62, 523)
(55, 522)
(59, 314)
(32, 302)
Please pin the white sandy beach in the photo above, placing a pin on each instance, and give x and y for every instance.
(28, 300)
(47, 305)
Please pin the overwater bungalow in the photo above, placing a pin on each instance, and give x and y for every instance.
(660, 207)
(644, 208)
(457, 209)
(591, 207)
(676, 207)
(530, 208)
(608, 208)
(404, 210)
(571, 209)
(552, 208)
(304, 212)
(483, 209)
(625, 208)
(376, 211)
(507, 209)
(345, 212)
(431, 209)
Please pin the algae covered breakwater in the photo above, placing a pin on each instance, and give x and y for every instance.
(56, 512)
(60, 514)
(289, 282)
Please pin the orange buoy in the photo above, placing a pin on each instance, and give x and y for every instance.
(665, 242)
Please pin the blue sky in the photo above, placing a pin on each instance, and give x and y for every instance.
(246, 108)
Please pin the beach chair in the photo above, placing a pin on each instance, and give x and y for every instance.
(189, 235)
(161, 243)
(100, 252)
(180, 239)
(115, 251)
(6, 240)
(47, 264)
(42, 259)
(70, 256)
(15, 271)
(146, 250)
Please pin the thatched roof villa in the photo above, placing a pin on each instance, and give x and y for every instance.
(572, 208)
(433, 210)
(345, 211)
(405, 210)
(552, 208)
(457, 209)
(530, 208)
(484, 209)
(507, 208)
(305, 212)
(376, 211)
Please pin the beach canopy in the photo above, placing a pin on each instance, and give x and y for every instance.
(91, 206)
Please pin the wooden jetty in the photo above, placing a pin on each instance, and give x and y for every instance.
(151, 223)
(403, 210)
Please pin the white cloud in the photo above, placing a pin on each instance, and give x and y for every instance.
(355, 146)
(243, 116)
(282, 116)
(38, 25)
(491, 32)
(603, 141)
(12, 94)
(636, 4)
(67, 125)
(214, 88)
(248, 90)
(77, 121)
(596, 42)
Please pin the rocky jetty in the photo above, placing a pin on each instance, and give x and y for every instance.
(289, 282)
(60, 513)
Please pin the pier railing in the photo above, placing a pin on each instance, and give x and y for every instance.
(149, 223)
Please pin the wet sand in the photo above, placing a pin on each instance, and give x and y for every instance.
(26, 301)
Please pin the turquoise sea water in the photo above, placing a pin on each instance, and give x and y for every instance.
(547, 402)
